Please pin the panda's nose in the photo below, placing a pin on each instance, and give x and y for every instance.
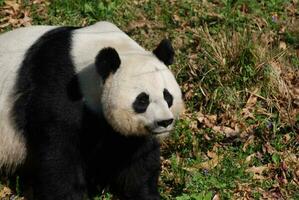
(165, 123)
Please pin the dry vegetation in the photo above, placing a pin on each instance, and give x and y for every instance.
(238, 66)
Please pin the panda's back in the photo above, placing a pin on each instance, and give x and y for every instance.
(28, 73)
(13, 47)
(39, 61)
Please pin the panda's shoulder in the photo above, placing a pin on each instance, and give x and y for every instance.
(25, 42)
(48, 57)
(49, 49)
(57, 38)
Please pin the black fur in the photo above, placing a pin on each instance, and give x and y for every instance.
(128, 166)
(168, 97)
(73, 89)
(72, 153)
(50, 119)
(107, 61)
(165, 52)
(141, 103)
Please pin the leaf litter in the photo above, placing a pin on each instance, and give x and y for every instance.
(221, 52)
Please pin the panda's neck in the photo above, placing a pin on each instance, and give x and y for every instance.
(91, 88)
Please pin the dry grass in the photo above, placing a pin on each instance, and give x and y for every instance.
(238, 65)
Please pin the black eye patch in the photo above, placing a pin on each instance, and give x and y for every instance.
(141, 103)
(168, 97)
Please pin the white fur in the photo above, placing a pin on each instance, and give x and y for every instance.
(13, 46)
(88, 41)
(140, 74)
(86, 44)
(140, 71)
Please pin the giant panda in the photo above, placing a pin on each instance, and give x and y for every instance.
(81, 110)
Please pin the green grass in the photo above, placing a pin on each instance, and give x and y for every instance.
(228, 52)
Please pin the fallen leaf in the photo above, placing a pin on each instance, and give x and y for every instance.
(137, 24)
(207, 120)
(12, 4)
(252, 98)
(176, 18)
(5, 193)
(216, 197)
(211, 154)
(268, 148)
(210, 164)
(282, 45)
(249, 158)
(228, 131)
(247, 111)
(248, 142)
(258, 171)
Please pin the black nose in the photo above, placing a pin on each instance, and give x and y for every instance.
(165, 123)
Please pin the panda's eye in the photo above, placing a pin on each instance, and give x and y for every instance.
(168, 97)
(141, 103)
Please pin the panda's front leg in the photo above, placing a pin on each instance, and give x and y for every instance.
(57, 167)
(139, 179)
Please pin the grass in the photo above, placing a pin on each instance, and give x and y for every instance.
(237, 62)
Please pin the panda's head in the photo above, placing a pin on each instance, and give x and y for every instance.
(140, 94)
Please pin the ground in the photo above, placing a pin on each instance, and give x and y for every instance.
(237, 62)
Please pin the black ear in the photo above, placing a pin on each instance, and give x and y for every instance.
(107, 61)
(165, 52)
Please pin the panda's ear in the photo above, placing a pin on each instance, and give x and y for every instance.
(107, 61)
(165, 52)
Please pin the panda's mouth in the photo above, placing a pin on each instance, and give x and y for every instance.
(160, 132)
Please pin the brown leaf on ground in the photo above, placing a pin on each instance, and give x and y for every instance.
(282, 45)
(210, 121)
(251, 102)
(137, 24)
(258, 171)
(242, 192)
(249, 158)
(14, 14)
(227, 131)
(13, 4)
(268, 148)
(216, 197)
(26, 20)
(248, 130)
(211, 154)
(144, 23)
(247, 111)
(210, 164)
(273, 194)
(248, 142)
(5, 193)
(207, 120)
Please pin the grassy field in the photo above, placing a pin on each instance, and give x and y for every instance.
(237, 62)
